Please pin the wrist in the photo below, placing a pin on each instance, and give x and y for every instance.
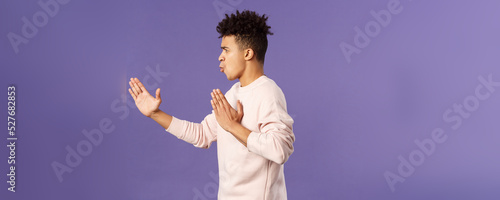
(234, 127)
(240, 132)
(155, 113)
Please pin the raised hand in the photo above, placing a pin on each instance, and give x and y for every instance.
(146, 103)
(226, 115)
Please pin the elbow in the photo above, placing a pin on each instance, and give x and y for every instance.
(282, 157)
(280, 161)
(201, 145)
(284, 150)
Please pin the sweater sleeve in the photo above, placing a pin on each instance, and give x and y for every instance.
(274, 140)
(201, 135)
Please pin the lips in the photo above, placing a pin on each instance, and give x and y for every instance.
(221, 69)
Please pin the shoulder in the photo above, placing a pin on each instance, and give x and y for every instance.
(272, 102)
(270, 92)
(269, 87)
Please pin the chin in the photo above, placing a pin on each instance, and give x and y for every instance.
(229, 77)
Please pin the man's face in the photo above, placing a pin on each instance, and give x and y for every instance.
(232, 61)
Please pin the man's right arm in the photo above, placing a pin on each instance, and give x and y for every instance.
(199, 134)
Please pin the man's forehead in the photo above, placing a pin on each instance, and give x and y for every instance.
(227, 40)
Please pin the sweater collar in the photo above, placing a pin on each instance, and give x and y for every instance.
(252, 85)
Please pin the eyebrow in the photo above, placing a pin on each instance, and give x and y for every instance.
(224, 47)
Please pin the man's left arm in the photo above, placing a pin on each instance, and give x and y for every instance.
(275, 138)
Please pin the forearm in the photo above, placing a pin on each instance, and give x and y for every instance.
(162, 118)
(240, 133)
(199, 134)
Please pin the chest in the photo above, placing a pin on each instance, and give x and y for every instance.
(251, 107)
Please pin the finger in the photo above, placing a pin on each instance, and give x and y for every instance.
(224, 101)
(133, 88)
(132, 94)
(219, 100)
(217, 104)
(221, 96)
(141, 86)
(213, 101)
(136, 87)
(214, 97)
(213, 106)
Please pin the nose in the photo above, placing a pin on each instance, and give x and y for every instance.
(221, 58)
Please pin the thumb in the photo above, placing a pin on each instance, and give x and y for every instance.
(158, 94)
(240, 108)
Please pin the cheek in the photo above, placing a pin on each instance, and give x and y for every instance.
(233, 63)
(236, 61)
(230, 62)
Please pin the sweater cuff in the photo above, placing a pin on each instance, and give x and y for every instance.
(175, 127)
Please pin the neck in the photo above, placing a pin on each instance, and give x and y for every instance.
(252, 72)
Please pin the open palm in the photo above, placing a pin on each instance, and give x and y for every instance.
(146, 103)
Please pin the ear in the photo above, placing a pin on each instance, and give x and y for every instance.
(248, 54)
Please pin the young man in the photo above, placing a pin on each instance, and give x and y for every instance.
(256, 138)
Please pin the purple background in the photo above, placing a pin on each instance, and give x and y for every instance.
(352, 120)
